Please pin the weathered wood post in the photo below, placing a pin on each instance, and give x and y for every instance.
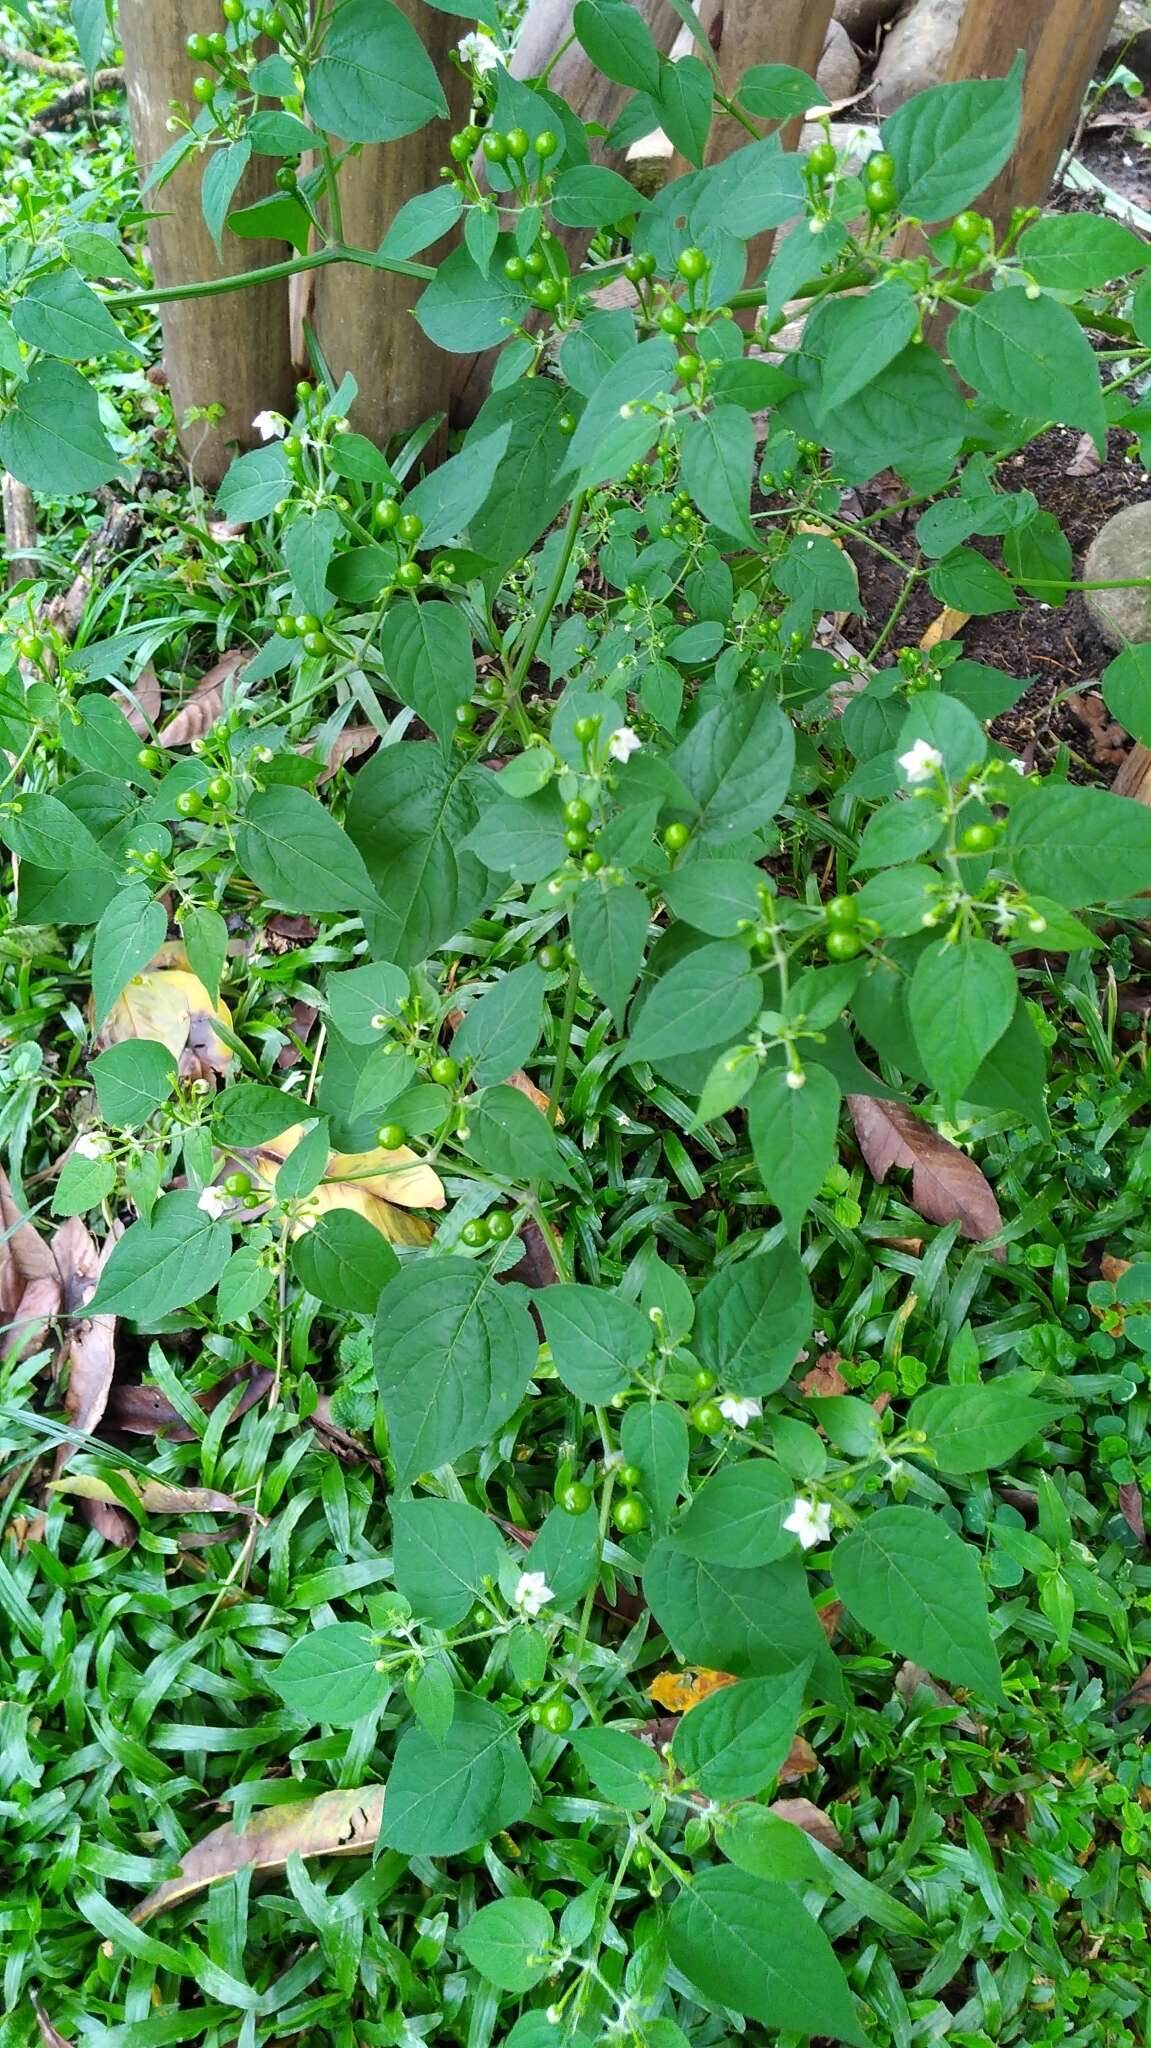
(764, 32)
(232, 350)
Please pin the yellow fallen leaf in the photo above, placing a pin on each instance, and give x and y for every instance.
(335, 1824)
(680, 1691)
(170, 1005)
(379, 1185)
(945, 627)
(153, 1494)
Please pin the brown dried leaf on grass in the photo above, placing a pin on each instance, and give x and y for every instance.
(171, 1005)
(803, 1813)
(205, 704)
(946, 1185)
(49, 2035)
(335, 1824)
(140, 1410)
(30, 1286)
(89, 1354)
(141, 704)
(155, 1496)
(347, 746)
(381, 1186)
(825, 1377)
(1131, 1509)
(945, 627)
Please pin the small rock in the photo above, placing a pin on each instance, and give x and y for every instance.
(915, 53)
(837, 75)
(1121, 548)
(1129, 41)
(861, 18)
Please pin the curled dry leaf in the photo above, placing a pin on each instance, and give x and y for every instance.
(536, 1268)
(803, 1813)
(140, 701)
(945, 627)
(680, 1691)
(1112, 1268)
(30, 1286)
(380, 1186)
(205, 704)
(1131, 1509)
(140, 1410)
(910, 1677)
(1138, 1696)
(1086, 460)
(49, 2035)
(946, 1185)
(825, 1377)
(347, 746)
(171, 1005)
(155, 1496)
(335, 1824)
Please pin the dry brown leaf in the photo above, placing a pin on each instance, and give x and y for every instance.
(799, 1761)
(380, 1186)
(335, 1824)
(945, 627)
(144, 1411)
(49, 2035)
(30, 1284)
(680, 1691)
(1138, 1696)
(910, 1677)
(830, 1616)
(1086, 460)
(347, 746)
(155, 1496)
(537, 1267)
(825, 1378)
(170, 1005)
(945, 1184)
(205, 704)
(141, 704)
(1131, 1509)
(1112, 1268)
(802, 1813)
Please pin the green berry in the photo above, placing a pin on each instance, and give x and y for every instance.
(148, 758)
(707, 1417)
(518, 144)
(475, 1233)
(501, 1225)
(841, 910)
(967, 229)
(535, 263)
(576, 838)
(630, 1476)
(220, 789)
(880, 168)
(842, 943)
(198, 48)
(515, 268)
(286, 178)
(189, 803)
(466, 716)
(592, 862)
(409, 575)
(672, 318)
(203, 89)
(445, 1071)
(822, 159)
(550, 958)
(676, 836)
(575, 1498)
(410, 527)
(692, 264)
(30, 646)
(703, 1380)
(585, 730)
(316, 643)
(556, 1716)
(237, 1185)
(630, 1515)
(460, 147)
(391, 1137)
(386, 514)
(687, 368)
(546, 144)
(495, 146)
(548, 293)
(232, 10)
(978, 838)
(286, 626)
(566, 423)
(577, 811)
(307, 622)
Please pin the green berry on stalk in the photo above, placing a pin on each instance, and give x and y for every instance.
(592, 862)
(842, 943)
(286, 626)
(676, 836)
(692, 264)
(391, 1137)
(585, 729)
(218, 45)
(822, 159)
(220, 789)
(460, 147)
(630, 1476)
(550, 958)
(879, 199)
(466, 715)
(232, 10)
(307, 622)
(687, 368)
(575, 1498)
(409, 575)
(316, 643)
(198, 48)
(238, 1184)
(545, 144)
(556, 1716)
(272, 22)
(445, 1070)
(491, 689)
(148, 758)
(842, 910)
(880, 167)
(189, 803)
(978, 838)
(501, 1226)
(203, 89)
(495, 146)
(286, 178)
(672, 318)
(518, 143)
(577, 811)
(707, 1417)
(967, 229)
(410, 527)
(386, 514)
(566, 423)
(703, 1380)
(515, 268)
(476, 1233)
(30, 646)
(630, 1515)
(576, 838)
(535, 263)
(548, 293)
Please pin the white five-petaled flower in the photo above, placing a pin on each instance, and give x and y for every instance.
(810, 1520)
(91, 1145)
(740, 1409)
(531, 1594)
(623, 743)
(1019, 766)
(920, 761)
(214, 1203)
(270, 426)
(480, 50)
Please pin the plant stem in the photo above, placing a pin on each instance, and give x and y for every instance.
(563, 1042)
(267, 273)
(539, 623)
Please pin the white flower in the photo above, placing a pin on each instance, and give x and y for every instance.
(270, 426)
(740, 1409)
(623, 743)
(532, 1592)
(810, 1520)
(214, 1203)
(795, 1078)
(1019, 766)
(920, 761)
(480, 50)
(92, 1146)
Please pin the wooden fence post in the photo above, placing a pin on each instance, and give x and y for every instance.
(363, 318)
(1062, 41)
(233, 350)
(764, 32)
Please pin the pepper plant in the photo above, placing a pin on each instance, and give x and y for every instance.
(594, 835)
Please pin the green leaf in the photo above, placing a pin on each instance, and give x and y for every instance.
(752, 1319)
(244, 1283)
(591, 196)
(374, 80)
(82, 1183)
(653, 1437)
(738, 1514)
(864, 334)
(621, 1767)
(431, 1695)
(917, 1588)
(508, 1941)
(961, 1001)
(970, 583)
(1031, 357)
(454, 1351)
(769, 1846)
(609, 932)
(512, 1138)
(818, 574)
(132, 1079)
(1039, 557)
(1079, 846)
(359, 996)
(409, 815)
(1076, 252)
(62, 315)
(521, 836)
(295, 852)
(1126, 685)
(737, 762)
(733, 1743)
(330, 1675)
(749, 1946)
(752, 1621)
(427, 654)
(129, 933)
(175, 1258)
(446, 1797)
(280, 217)
(793, 1137)
(422, 220)
(951, 141)
(619, 43)
(223, 171)
(45, 832)
(250, 1114)
(501, 1029)
(530, 488)
(448, 497)
(949, 727)
(51, 438)
(777, 92)
(709, 995)
(254, 485)
(716, 896)
(443, 1550)
(597, 1340)
(980, 1428)
(566, 1550)
(463, 309)
(1014, 1074)
(717, 457)
(631, 379)
(308, 547)
(902, 830)
(89, 20)
(344, 1262)
(682, 101)
(910, 417)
